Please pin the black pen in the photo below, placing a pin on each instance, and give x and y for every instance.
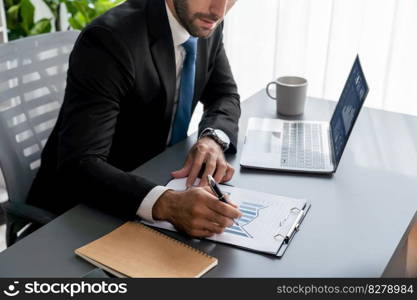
(216, 190)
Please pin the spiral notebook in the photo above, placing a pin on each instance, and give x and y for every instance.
(135, 250)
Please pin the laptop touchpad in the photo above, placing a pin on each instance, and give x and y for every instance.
(261, 141)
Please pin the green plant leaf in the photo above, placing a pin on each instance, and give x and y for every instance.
(70, 7)
(27, 12)
(74, 24)
(8, 3)
(42, 26)
(102, 6)
(78, 21)
(15, 34)
(81, 19)
(83, 8)
(13, 17)
(84, 11)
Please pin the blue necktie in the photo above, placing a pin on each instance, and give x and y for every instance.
(186, 93)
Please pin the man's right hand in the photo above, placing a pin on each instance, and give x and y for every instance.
(195, 211)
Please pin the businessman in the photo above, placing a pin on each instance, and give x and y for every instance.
(135, 76)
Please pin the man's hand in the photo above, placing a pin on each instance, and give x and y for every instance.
(196, 211)
(207, 151)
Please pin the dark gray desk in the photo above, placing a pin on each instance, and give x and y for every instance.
(357, 218)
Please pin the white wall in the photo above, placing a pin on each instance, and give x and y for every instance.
(319, 40)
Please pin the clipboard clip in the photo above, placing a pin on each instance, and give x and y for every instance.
(295, 226)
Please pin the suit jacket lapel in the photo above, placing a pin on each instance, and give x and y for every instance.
(201, 69)
(162, 49)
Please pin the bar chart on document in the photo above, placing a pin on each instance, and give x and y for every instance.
(250, 211)
(265, 218)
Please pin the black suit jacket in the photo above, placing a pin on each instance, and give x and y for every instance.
(118, 106)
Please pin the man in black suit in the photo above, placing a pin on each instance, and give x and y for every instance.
(135, 76)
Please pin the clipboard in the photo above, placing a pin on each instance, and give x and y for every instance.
(272, 236)
(297, 219)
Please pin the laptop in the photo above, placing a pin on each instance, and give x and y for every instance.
(306, 146)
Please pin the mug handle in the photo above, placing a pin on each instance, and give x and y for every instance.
(267, 90)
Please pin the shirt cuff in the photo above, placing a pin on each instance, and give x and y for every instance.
(145, 208)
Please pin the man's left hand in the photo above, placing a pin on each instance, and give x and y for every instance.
(205, 151)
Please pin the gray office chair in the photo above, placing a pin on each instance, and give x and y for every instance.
(32, 83)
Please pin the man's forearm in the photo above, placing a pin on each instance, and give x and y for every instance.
(223, 114)
(104, 186)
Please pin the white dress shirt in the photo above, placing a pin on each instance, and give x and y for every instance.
(179, 35)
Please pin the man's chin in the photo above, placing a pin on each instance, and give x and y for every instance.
(204, 33)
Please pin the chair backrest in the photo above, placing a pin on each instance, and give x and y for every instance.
(3, 24)
(32, 84)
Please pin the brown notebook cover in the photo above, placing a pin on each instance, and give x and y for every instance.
(135, 250)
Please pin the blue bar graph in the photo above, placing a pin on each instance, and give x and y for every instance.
(250, 211)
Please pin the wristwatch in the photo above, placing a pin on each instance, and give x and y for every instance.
(218, 136)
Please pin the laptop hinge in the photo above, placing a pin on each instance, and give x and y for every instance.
(332, 150)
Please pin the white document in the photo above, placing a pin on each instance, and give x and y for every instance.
(266, 218)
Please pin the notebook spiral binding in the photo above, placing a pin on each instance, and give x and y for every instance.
(176, 241)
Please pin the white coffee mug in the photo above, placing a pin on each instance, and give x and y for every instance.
(291, 93)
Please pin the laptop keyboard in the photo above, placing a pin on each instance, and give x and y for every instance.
(302, 146)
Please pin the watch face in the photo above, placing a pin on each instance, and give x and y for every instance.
(222, 136)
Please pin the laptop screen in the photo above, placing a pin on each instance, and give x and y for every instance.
(347, 109)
